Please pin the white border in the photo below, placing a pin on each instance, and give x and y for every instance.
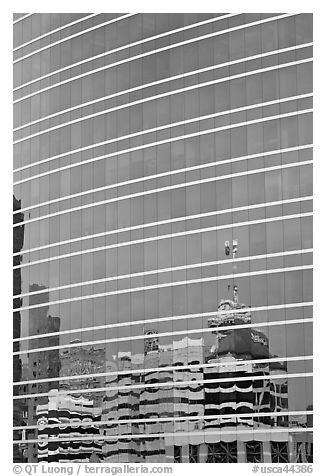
(320, 172)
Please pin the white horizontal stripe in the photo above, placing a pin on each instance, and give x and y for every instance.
(162, 81)
(163, 237)
(167, 319)
(167, 285)
(51, 32)
(165, 126)
(62, 27)
(165, 141)
(231, 389)
(165, 174)
(130, 45)
(174, 368)
(219, 432)
(165, 270)
(141, 101)
(168, 384)
(123, 106)
(121, 48)
(82, 423)
(22, 18)
(163, 222)
(75, 35)
(201, 330)
(169, 93)
(162, 189)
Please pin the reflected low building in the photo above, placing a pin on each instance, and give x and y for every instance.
(82, 362)
(163, 299)
(75, 418)
(225, 393)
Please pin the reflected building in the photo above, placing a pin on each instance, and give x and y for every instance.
(40, 367)
(75, 413)
(121, 405)
(172, 394)
(190, 395)
(84, 362)
(163, 204)
(75, 417)
(247, 393)
(18, 408)
(220, 388)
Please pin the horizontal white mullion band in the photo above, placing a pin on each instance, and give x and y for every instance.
(165, 141)
(172, 368)
(190, 368)
(75, 35)
(164, 222)
(166, 94)
(152, 144)
(143, 55)
(169, 384)
(22, 18)
(158, 320)
(219, 433)
(164, 80)
(118, 49)
(163, 189)
(201, 330)
(165, 174)
(51, 32)
(56, 30)
(163, 237)
(166, 270)
(167, 285)
(170, 235)
(141, 101)
(81, 423)
(163, 127)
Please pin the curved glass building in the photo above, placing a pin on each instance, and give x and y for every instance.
(163, 238)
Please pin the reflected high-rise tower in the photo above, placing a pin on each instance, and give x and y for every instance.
(246, 393)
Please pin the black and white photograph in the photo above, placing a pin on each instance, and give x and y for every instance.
(162, 239)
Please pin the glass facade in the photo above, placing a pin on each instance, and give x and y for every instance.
(163, 238)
